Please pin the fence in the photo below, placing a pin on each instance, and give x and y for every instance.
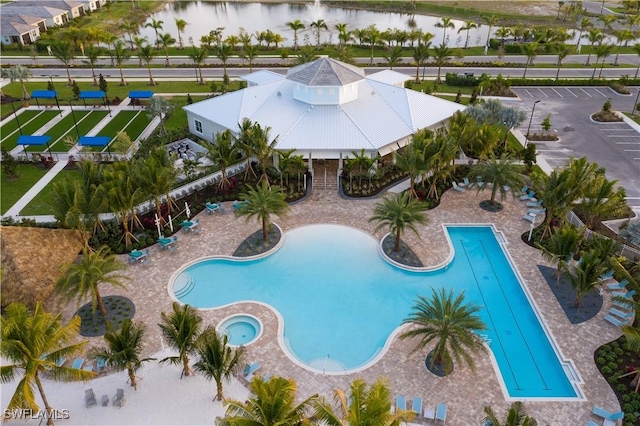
(625, 250)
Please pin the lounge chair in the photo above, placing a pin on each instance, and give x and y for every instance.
(537, 211)
(457, 187)
(429, 414)
(527, 196)
(118, 398)
(88, 367)
(620, 314)
(101, 364)
(592, 423)
(607, 415)
(529, 217)
(621, 304)
(627, 295)
(61, 361)
(615, 321)
(77, 363)
(250, 369)
(622, 285)
(441, 412)
(606, 275)
(416, 406)
(465, 183)
(89, 398)
(479, 182)
(534, 203)
(401, 403)
(524, 189)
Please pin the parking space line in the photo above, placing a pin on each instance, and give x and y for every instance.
(603, 95)
(632, 150)
(621, 136)
(567, 89)
(586, 93)
(627, 143)
(529, 93)
(542, 92)
(557, 93)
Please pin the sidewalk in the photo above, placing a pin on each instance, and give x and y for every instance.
(36, 189)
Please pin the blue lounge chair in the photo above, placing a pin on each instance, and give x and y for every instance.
(606, 275)
(618, 285)
(534, 203)
(621, 304)
(529, 217)
(401, 403)
(416, 406)
(524, 189)
(250, 369)
(527, 196)
(537, 211)
(620, 314)
(457, 187)
(592, 423)
(101, 364)
(615, 321)
(441, 412)
(465, 183)
(627, 295)
(77, 363)
(61, 361)
(601, 412)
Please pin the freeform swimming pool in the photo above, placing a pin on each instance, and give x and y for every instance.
(340, 302)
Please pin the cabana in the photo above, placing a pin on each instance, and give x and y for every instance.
(95, 94)
(95, 141)
(46, 94)
(25, 140)
(140, 94)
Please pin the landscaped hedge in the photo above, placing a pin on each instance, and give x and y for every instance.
(570, 82)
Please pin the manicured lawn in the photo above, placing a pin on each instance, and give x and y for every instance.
(635, 118)
(12, 125)
(119, 122)
(178, 118)
(137, 126)
(59, 130)
(12, 191)
(29, 128)
(41, 204)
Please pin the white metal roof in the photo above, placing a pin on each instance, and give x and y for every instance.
(262, 76)
(389, 77)
(325, 72)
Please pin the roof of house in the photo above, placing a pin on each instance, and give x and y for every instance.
(389, 77)
(37, 10)
(58, 4)
(262, 77)
(381, 115)
(16, 24)
(325, 72)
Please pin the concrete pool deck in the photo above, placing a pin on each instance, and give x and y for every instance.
(464, 393)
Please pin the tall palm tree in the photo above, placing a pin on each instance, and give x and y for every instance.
(158, 177)
(453, 325)
(271, 402)
(262, 202)
(318, 26)
(420, 56)
(344, 35)
(124, 348)
(156, 24)
(562, 50)
(585, 24)
(250, 52)
(530, 50)
(445, 23)
(197, 57)
(393, 56)
(166, 40)
(585, 275)
(602, 199)
(217, 360)
(468, 26)
(138, 43)
(181, 24)
(399, 213)
(441, 55)
(93, 55)
(623, 36)
(263, 148)
(246, 145)
(594, 35)
(182, 329)
(501, 172)
(223, 52)
(33, 343)
(222, 152)
(561, 246)
(516, 416)
(491, 22)
(81, 279)
(412, 159)
(602, 51)
(295, 26)
(363, 405)
(21, 74)
(120, 54)
(130, 27)
(63, 51)
(123, 193)
(440, 156)
(159, 107)
(636, 50)
(374, 38)
(147, 54)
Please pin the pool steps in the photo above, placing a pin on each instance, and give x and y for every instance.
(186, 282)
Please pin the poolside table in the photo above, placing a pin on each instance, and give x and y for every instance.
(187, 225)
(165, 242)
(137, 256)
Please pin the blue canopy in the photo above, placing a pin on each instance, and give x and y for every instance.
(140, 94)
(92, 94)
(33, 140)
(94, 140)
(44, 94)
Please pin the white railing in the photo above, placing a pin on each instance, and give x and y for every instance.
(625, 250)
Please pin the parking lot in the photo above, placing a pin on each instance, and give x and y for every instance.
(615, 146)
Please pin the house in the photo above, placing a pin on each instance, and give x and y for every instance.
(20, 28)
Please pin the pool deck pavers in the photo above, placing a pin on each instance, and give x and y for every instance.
(465, 394)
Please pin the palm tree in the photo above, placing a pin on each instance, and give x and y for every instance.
(33, 344)
(124, 348)
(295, 26)
(393, 56)
(182, 329)
(157, 26)
(441, 55)
(130, 27)
(399, 213)
(165, 41)
(445, 23)
(491, 22)
(602, 199)
(420, 56)
(374, 38)
(530, 50)
(585, 24)
(63, 51)
(198, 56)
(595, 35)
(180, 25)
(602, 51)
(412, 159)
(271, 402)
(503, 32)
(20, 73)
(585, 275)
(81, 279)
(262, 202)
(250, 52)
(161, 108)
(217, 360)
(263, 148)
(449, 322)
(223, 52)
(158, 177)
(246, 145)
(318, 26)
(561, 246)
(624, 36)
(364, 405)
(223, 152)
(344, 36)
(636, 50)
(93, 55)
(502, 173)
(562, 50)
(138, 43)
(147, 54)
(468, 26)
(123, 194)
(516, 416)
(120, 54)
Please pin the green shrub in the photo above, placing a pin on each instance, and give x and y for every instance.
(601, 361)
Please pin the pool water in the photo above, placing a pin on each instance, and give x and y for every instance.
(340, 301)
(240, 329)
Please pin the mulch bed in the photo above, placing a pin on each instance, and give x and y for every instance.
(94, 324)
(437, 369)
(566, 296)
(255, 244)
(405, 255)
(494, 207)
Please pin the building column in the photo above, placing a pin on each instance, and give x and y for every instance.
(340, 162)
(276, 159)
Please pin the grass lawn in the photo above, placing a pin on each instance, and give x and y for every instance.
(29, 128)
(178, 118)
(635, 118)
(464, 101)
(119, 122)
(12, 125)
(59, 130)
(41, 204)
(137, 126)
(12, 191)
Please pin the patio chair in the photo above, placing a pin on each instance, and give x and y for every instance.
(77, 363)
(627, 295)
(249, 369)
(607, 415)
(534, 204)
(465, 183)
(529, 217)
(615, 321)
(118, 398)
(429, 414)
(416, 406)
(479, 182)
(606, 275)
(211, 207)
(101, 364)
(457, 187)
(441, 412)
(618, 285)
(61, 361)
(620, 314)
(524, 189)
(528, 196)
(537, 211)
(401, 403)
(89, 398)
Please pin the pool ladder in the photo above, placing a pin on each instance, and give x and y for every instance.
(486, 338)
(189, 284)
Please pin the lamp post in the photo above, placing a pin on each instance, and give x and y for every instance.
(526, 137)
(16, 116)
(635, 104)
(75, 123)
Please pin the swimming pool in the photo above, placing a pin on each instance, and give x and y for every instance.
(341, 303)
